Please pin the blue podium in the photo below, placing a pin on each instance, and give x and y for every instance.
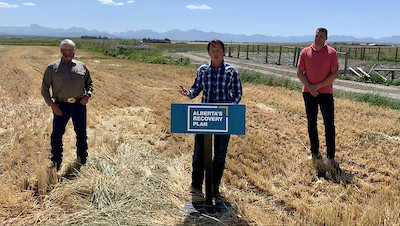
(207, 119)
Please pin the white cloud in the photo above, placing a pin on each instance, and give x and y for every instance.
(6, 5)
(110, 2)
(130, 1)
(29, 4)
(195, 7)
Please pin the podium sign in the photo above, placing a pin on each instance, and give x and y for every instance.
(208, 118)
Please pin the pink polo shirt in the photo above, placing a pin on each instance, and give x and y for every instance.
(318, 64)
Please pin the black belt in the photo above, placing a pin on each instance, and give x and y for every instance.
(70, 100)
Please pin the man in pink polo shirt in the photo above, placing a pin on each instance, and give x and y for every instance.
(317, 69)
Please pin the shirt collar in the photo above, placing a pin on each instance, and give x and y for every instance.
(315, 49)
(73, 62)
(222, 65)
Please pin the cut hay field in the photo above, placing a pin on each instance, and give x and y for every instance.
(137, 171)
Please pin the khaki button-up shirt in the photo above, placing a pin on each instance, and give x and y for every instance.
(66, 80)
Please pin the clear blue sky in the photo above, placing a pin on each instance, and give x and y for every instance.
(358, 18)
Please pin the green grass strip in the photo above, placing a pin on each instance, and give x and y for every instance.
(248, 76)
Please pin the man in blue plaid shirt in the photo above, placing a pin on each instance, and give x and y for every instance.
(220, 83)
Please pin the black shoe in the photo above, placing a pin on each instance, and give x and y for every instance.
(216, 194)
(316, 157)
(57, 165)
(197, 195)
(81, 160)
(335, 165)
(194, 191)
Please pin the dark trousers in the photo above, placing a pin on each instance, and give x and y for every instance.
(77, 112)
(220, 149)
(325, 102)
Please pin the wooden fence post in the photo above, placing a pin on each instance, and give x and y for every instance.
(349, 51)
(298, 56)
(379, 53)
(355, 53)
(247, 56)
(294, 56)
(346, 61)
(258, 49)
(280, 55)
(230, 51)
(238, 51)
(363, 53)
(266, 55)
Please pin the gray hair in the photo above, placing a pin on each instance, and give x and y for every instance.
(67, 42)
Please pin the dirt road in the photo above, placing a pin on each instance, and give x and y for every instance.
(290, 72)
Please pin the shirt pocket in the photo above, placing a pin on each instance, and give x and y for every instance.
(205, 82)
(58, 78)
(79, 75)
(228, 80)
(79, 71)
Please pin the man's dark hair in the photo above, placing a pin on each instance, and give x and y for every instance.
(323, 30)
(216, 41)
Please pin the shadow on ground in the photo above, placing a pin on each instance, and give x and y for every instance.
(72, 171)
(221, 213)
(325, 170)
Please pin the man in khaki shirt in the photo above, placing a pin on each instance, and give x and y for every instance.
(71, 87)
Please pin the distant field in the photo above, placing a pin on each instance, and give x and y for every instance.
(137, 171)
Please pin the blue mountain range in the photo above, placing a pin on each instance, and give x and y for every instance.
(179, 35)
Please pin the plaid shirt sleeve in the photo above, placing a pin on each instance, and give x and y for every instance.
(197, 86)
(236, 86)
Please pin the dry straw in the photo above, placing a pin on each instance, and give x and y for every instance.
(137, 172)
